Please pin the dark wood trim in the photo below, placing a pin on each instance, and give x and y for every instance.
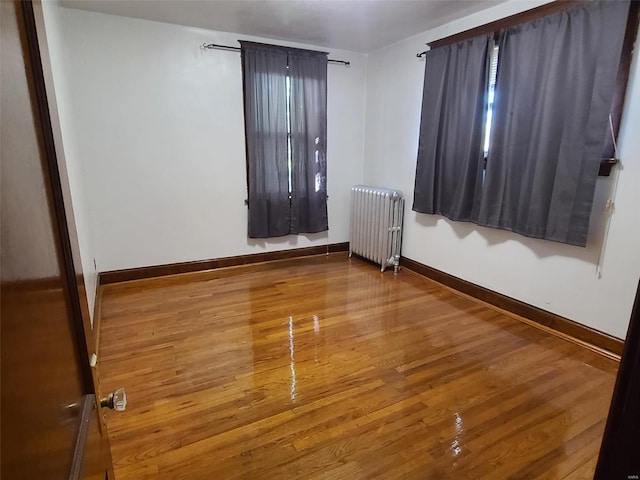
(551, 320)
(624, 67)
(35, 75)
(129, 274)
(607, 165)
(505, 22)
(619, 450)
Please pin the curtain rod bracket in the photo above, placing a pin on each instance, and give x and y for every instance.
(209, 46)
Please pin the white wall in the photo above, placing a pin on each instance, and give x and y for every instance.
(72, 168)
(556, 277)
(155, 127)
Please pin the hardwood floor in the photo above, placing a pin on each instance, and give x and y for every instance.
(323, 368)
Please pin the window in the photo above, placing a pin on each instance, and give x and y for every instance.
(285, 99)
(521, 150)
(608, 155)
(631, 32)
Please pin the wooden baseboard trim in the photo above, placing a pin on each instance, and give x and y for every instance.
(555, 323)
(116, 276)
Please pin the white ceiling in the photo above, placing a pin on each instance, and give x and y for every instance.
(357, 25)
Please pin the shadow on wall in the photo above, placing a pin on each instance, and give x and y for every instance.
(290, 241)
(605, 189)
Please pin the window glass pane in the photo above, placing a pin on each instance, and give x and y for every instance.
(491, 97)
(289, 159)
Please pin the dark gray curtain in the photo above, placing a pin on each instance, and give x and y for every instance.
(450, 152)
(265, 117)
(308, 76)
(267, 69)
(556, 78)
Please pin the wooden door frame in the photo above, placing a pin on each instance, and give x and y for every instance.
(619, 457)
(50, 157)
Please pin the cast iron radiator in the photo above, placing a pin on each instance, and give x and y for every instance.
(376, 225)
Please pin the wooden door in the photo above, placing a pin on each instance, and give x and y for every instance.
(48, 411)
(620, 449)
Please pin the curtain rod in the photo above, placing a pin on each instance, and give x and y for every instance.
(237, 49)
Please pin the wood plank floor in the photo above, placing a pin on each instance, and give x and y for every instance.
(324, 368)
